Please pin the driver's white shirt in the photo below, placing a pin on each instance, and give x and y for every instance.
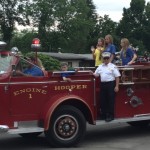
(107, 72)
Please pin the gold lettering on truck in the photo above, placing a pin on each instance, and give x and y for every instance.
(72, 87)
(29, 90)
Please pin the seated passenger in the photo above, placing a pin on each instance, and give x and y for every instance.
(32, 69)
(64, 75)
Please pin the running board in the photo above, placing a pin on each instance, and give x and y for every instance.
(123, 120)
(25, 130)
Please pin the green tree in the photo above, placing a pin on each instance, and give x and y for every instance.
(42, 16)
(75, 24)
(92, 16)
(12, 11)
(134, 24)
(66, 21)
(103, 27)
(23, 40)
(146, 33)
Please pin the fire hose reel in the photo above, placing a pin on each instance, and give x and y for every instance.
(135, 101)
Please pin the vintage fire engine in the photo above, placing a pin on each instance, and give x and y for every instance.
(31, 105)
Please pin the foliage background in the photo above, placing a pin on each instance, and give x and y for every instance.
(71, 25)
(49, 63)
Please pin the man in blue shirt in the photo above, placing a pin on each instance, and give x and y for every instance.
(32, 70)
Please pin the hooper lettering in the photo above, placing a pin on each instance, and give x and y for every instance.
(72, 87)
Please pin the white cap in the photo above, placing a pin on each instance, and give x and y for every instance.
(106, 54)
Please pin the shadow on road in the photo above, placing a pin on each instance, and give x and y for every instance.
(95, 135)
(107, 133)
(17, 142)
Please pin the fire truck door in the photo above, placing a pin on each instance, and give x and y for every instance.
(4, 101)
(28, 97)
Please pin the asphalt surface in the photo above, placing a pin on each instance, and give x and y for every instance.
(105, 137)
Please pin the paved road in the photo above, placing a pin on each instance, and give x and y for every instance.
(106, 137)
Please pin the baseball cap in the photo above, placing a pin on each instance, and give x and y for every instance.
(106, 54)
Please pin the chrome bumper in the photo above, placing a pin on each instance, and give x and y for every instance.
(3, 128)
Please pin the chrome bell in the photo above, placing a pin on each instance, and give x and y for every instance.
(14, 50)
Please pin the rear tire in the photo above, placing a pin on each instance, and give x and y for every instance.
(67, 127)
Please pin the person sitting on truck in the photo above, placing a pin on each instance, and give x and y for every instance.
(32, 69)
(109, 77)
(65, 75)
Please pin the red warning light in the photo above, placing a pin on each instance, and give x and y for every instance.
(35, 43)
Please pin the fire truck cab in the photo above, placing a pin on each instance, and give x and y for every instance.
(31, 105)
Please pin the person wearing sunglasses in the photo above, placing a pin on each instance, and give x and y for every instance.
(109, 77)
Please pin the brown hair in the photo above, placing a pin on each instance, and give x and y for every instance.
(64, 64)
(102, 40)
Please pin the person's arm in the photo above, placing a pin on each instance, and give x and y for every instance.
(93, 52)
(20, 73)
(113, 51)
(117, 84)
(96, 75)
(133, 59)
(111, 57)
(66, 79)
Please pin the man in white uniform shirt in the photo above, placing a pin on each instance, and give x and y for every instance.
(109, 77)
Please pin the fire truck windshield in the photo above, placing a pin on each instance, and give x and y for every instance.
(5, 60)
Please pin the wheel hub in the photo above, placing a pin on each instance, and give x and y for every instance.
(66, 127)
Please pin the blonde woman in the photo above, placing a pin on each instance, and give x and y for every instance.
(110, 47)
(127, 55)
(98, 51)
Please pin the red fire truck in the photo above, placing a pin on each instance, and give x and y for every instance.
(31, 105)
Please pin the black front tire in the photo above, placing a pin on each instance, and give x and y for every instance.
(67, 127)
(30, 135)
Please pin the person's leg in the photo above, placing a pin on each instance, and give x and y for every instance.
(111, 101)
(103, 101)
